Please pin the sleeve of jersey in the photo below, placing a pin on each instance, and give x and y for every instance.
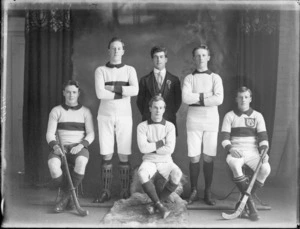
(141, 96)
(170, 141)
(262, 134)
(188, 96)
(216, 98)
(89, 128)
(52, 127)
(177, 95)
(101, 92)
(133, 88)
(225, 132)
(142, 139)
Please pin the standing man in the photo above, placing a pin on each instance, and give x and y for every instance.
(244, 137)
(160, 81)
(156, 139)
(203, 92)
(115, 83)
(71, 124)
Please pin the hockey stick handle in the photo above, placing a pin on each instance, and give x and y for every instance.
(80, 210)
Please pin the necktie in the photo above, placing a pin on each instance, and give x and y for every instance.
(160, 80)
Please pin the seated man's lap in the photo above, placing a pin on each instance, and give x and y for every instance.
(71, 157)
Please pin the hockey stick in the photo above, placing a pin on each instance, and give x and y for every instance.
(247, 193)
(80, 210)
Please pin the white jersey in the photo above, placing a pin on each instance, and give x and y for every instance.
(124, 77)
(203, 118)
(149, 133)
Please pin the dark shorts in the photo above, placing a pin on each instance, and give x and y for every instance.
(70, 157)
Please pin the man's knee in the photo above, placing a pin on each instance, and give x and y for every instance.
(235, 168)
(195, 159)
(207, 158)
(123, 157)
(265, 170)
(176, 175)
(143, 175)
(54, 165)
(80, 164)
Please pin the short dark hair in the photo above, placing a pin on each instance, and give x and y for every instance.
(156, 98)
(156, 49)
(71, 83)
(201, 47)
(115, 39)
(243, 89)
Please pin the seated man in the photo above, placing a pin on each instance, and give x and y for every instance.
(156, 139)
(73, 125)
(244, 137)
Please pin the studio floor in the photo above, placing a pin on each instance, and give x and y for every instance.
(24, 206)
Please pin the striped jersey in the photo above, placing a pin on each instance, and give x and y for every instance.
(124, 78)
(149, 133)
(244, 130)
(73, 126)
(203, 118)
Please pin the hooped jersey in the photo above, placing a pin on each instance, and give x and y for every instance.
(244, 130)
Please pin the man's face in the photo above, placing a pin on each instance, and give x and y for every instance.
(71, 94)
(243, 100)
(201, 57)
(159, 60)
(116, 51)
(157, 110)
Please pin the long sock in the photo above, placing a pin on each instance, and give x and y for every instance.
(76, 178)
(168, 189)
(57, 182)
(149, 188)
(194, 173)
(208, 169)
(256, 185)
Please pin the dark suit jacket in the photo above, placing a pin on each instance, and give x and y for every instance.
(170, 91)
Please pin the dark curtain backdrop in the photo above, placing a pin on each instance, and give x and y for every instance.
(258, 35)
(48, 64)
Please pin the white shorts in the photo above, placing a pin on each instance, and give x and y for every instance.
(249, 157)
(169, 170)
(108, 127)
(209, 140)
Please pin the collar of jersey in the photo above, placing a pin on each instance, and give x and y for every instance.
(162, 122)
(66, 107)
(108, 64)
(239, 113)
(204, 72)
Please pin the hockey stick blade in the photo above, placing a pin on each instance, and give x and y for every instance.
(238, 211)
(80, 210)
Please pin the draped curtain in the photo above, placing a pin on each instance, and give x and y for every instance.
(48, 64)
(258, 37)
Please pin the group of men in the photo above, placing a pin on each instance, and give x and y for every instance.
(159, 96)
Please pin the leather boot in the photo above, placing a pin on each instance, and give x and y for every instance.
(193, 196)
(61, 205)
(162, 209)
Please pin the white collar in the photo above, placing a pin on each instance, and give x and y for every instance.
(163, 71)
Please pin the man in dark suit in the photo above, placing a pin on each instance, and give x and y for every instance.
(160, 82)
